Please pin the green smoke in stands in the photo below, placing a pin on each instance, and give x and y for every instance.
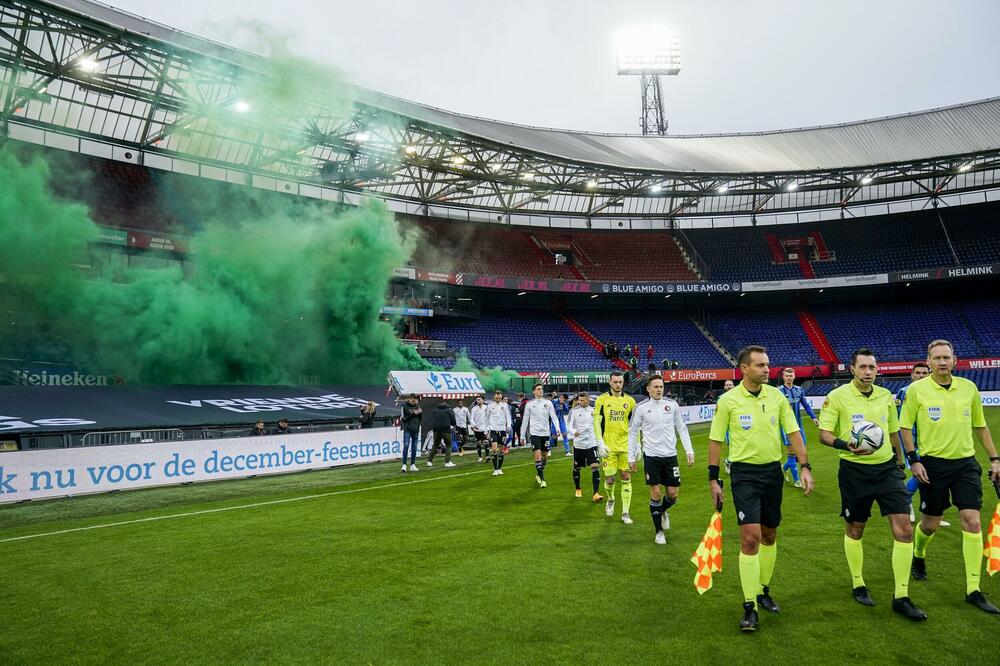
(491, 378)
(280, 290)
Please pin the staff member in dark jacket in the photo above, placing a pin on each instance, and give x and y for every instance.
(443, 422)
(410, 422)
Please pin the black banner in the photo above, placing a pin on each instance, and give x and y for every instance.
(949, 273)
(594, 287)
(36, 409)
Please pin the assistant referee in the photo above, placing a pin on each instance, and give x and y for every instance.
(866, 477)
(947, 410)
(754, 414)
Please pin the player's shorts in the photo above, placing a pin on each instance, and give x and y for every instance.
(756, 493)
(862, 485)
(617, 461)
(480, 436)
(661, 471)
(498, 437)
(585, 457)
(539, 442)
(961, 479)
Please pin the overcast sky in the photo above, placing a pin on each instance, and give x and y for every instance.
(747, 64)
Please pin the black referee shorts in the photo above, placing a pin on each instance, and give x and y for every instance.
(539, 442)
(661, 471)
(960, 479)
(585, 457)
(862, 485)
(757, 493)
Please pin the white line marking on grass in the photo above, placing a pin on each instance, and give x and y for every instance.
(253, 505)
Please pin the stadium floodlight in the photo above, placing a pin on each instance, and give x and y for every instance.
(241, 107)
(88, 65)
(362, 137)
(648, 49)
(594, 295)
(410, 150)
(965, 167)
(521, 293)
(528, 176)
(722, 189)
(591, 184)
(655, 189)
(867, 180)
(458, 160)
(792, 186)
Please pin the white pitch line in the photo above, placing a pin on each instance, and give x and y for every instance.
(250, 506)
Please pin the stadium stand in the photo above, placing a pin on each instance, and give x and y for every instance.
(787, 342)
(673, 336)
(739, 253)
(973, 232)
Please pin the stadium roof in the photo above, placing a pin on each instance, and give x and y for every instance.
(81, 69)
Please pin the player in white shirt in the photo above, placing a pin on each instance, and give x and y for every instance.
(498, 423)
(539, 415)
(478, 423)
(581, 426)
(463, 420)
(653, 432)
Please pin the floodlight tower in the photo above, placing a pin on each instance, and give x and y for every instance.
(650, 52)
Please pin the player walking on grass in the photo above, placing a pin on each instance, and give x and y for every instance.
(581, 424)
(463, 421)
(946, 411)
(538, 416)
(478, 423)
(796, 397)
(754, 414)
(653, 433)
(612, 412)
(867, 477)
(498, 421)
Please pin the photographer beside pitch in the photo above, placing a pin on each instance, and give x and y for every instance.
(754, 414)
(867, 476)
(946, 410)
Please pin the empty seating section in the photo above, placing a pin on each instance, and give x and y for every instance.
(652, 256)
(882, 244)
(895, 331)
(739, 253)
(779, 331)
(520, 340)
(983, 319)
(974, 232)
(673, 336)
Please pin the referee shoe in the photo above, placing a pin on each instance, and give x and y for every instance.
(749, 621)
(979, 600)
(919, 568)
(905, 607)
(862, 597)
(765, 601)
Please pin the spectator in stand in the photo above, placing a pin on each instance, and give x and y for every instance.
(651, 367)
(649, 353)
(258, 429)
(674, 365)
(410, 422)
(628, 351)
(367, 415)
(283, 428)
(666, 364)
(634, 362)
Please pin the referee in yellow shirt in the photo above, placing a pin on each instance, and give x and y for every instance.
(754, 414)
(947, 410)
(866, 477)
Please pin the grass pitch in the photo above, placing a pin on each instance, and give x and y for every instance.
(368, 565)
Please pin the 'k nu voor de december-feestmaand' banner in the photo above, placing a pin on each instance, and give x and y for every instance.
(30, 475)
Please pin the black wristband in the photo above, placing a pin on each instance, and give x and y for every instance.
(912, 457)
(994, 458)
(713, 472)
(806, 465)
(840, 445)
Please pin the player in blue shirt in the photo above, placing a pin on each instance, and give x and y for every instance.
(796, 397)
(918, 371)
(562, 406)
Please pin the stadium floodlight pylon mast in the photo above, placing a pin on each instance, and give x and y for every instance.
(650, 52)
(83, 76)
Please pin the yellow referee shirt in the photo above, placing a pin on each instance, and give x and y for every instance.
(753, 423)
(944, 418)
(846, 405)
(611, 417)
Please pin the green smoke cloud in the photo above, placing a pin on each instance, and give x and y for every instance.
(280, 289)
(491, 378)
